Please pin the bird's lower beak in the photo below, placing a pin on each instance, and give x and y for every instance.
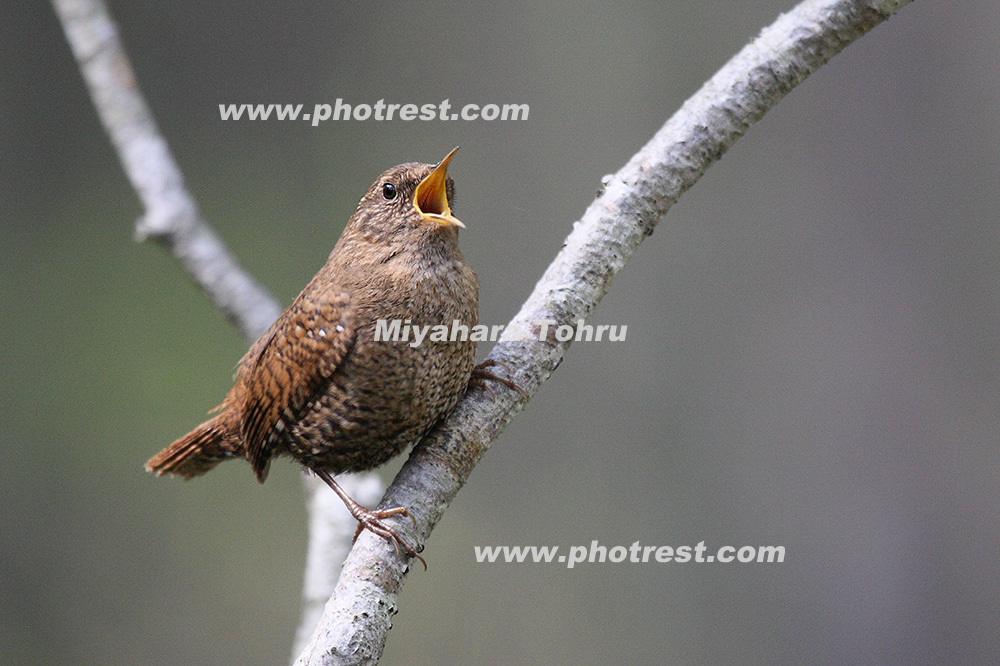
(431, 195)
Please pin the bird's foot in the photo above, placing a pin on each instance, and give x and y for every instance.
(373, 521)
(480, 373)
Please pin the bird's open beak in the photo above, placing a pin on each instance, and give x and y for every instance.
(431, 195)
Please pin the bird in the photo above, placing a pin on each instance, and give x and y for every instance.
(319, 387)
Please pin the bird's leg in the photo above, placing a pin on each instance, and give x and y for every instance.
(372, 520)
(479, 373)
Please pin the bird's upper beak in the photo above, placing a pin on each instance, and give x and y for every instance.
(431, 195)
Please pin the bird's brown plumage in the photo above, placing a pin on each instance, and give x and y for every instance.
(317, 386)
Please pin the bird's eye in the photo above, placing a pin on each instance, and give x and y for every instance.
(388, 191)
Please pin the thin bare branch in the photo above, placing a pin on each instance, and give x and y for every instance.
(331, 528)
(172, 218)
(357, 618)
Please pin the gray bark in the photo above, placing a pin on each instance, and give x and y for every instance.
(634, 200)
(356, 618)
(172, 218)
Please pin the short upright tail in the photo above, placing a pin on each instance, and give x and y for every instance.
(196, 452)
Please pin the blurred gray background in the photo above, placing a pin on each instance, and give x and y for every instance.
(811, 360)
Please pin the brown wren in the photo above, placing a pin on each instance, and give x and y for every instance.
(317, 386)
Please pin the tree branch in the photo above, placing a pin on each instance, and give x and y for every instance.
(172, 217)
(356, 619)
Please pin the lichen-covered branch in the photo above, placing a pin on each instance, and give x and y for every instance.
(355, 621)
(357, 618)
(331, 527)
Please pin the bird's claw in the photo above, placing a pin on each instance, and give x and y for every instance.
(373, 522)
(480, 373)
